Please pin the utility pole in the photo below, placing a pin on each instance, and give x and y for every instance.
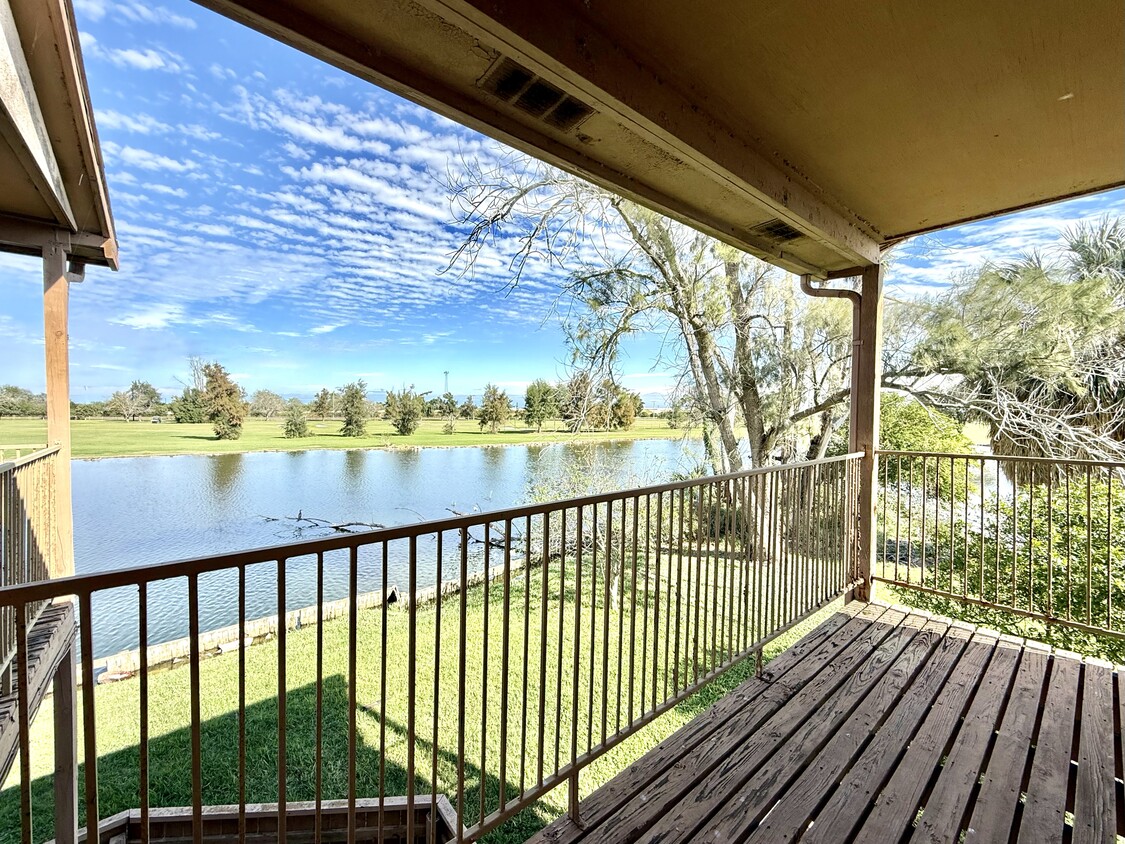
(447, 380)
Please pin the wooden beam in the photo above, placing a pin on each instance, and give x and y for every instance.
(31, 237)
(22, 124)
(615, 82)
(867, 372)
(56, 303)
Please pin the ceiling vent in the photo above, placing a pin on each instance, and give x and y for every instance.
(776, 231)
(518, 86)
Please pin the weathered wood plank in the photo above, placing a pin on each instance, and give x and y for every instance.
(897, 805)
(921, 679)
(876, 680)
(1043, 817)
(753, 702)
(706, 781)
(947, 804)
(1095, 796)
(941, 699)
(999, 797)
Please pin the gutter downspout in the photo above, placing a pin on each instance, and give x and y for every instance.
(817, 292)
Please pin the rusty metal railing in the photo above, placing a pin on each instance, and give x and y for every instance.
(27, 512)
(526, 643)
(1039, 539)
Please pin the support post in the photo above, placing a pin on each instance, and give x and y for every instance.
(65, 700)
(867, 369)
(56, 304)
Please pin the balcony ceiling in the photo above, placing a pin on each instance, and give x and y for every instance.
(813, 133)
(52, 179)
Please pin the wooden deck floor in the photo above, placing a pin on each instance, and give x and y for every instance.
(885, 725)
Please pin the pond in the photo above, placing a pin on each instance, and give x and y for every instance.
(142, 510)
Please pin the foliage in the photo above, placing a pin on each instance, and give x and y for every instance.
(225, 402)
(1034, 349)
(89, 410)
(353, 407)
(296, 423)
(907, 425)
(321, 405)
(190, 406)
(266, 404)
(405, 409)
(16, 401)
(468, 409)
(626, 406)
(679, 414)
(141, 399)
(540, 403)
(445, 406)
(495, 408)
(1038, 551)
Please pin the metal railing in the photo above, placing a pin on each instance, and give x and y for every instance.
(1039, 539)
(527, 642)
(27, 512)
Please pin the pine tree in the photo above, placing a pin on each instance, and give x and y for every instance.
(225, 402)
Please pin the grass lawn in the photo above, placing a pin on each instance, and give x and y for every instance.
(117, 438)
(118, 707)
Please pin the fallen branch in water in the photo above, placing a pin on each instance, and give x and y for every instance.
(302, 522)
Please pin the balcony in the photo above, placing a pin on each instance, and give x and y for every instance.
(542, 639)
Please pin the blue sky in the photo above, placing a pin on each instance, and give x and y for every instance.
(289, 220)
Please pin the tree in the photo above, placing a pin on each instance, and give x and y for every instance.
(296, 424)
(88, 410)
(225, 402)
(16, 401)
(495, 408)
(468, 409)
(626, 406)
(584, 403)
(190, 406)
(405, 409)
(1033, 348)
(540, 403)
(139, 400)
(266, 404)
(321, 404)
(353, 407)
(446, 407)
(752, 350)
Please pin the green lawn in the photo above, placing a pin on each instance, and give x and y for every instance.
(117, 438)
(118, 706)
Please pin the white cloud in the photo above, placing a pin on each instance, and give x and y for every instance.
(325, 329)
(147, 59)
(164, 189)
(93, 9)
(145, 13)
(155, 317)
(142, 124)
(146, 160)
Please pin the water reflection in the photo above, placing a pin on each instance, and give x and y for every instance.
(226, 469)
(140, 511)
(355, 460)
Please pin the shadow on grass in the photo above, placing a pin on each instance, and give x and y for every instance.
(170, 781)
